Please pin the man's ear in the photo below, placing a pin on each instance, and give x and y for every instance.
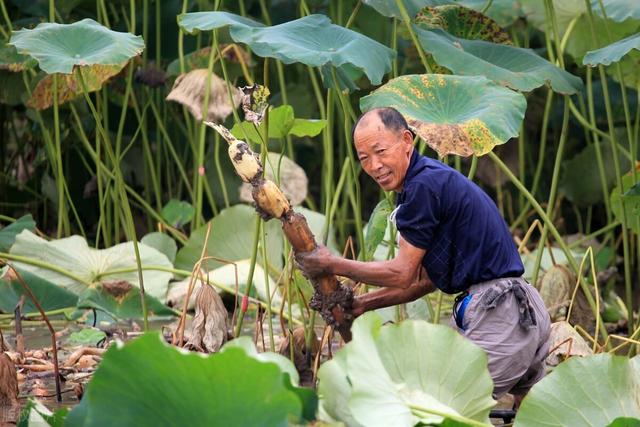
(407, 138)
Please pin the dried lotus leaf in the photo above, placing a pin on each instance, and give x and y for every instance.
(209, 327)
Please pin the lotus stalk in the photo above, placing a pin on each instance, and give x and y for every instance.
(332, 299)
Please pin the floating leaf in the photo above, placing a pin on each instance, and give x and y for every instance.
(453, 114)
(593, 390)
(8, 234)
(462, 22)
(60, 47)
(613, 52)
(190, 90)
(518, 68)
(85, 265)
(49, 295)
(312, 40)
(86, 336)
(162, 243)
(172, 387)
(405, 374)
(11, 60)
(69, 85)
(376, 227)
(177, 212)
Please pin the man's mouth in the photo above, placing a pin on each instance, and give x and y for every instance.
(383, 177)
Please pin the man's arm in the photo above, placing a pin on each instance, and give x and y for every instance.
(393, 296)
(399, 272)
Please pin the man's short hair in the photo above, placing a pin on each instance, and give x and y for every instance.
(390, 118)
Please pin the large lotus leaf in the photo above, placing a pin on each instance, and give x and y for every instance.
(11, 60)
(312, 40)
(60, 47)
(460, 115)
(153, 384)
(518, 68)
(460, 21)
(629, 66)
(630, 200)
(404, 374)
(504, 12)
(161, 242)
(617, 10)
(580, 179)
(613, 52)
(50, 296)
(69, 85)
(584, 391)
(127, 306)
(8, 234)
(232, 235)
(390, 9)
(89, 265)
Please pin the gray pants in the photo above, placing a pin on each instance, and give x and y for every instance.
(507, 318)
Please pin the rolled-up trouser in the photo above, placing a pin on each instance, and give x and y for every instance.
(508, 319)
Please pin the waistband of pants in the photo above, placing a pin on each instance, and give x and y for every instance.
(479, 287)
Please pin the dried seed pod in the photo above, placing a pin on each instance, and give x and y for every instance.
(270, 199)
(209, 327)
(244, 161)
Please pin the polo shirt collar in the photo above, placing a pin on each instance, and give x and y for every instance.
(412, 169)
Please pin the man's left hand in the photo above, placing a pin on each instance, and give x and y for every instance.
(315, 263)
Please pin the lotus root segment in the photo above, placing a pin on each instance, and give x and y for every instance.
(245, 162)
(270, 199)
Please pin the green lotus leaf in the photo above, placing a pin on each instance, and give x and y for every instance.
(460, 21)
(84, 265)
(152, 383)
(162, 243)
(617, 10)
(232, 232)
(177, 212)
(127, 306)
(86, 336)
(629, 200)
(629, 66)
(312, 40)
(518, 68)
(8, 234)
(35, 413)
(376, 227)
(504, 12)
(69, 85)
(11, 60)
(49, 295)
(401, 375)
(60, 47)
(584, 391)
(613, 52)
(625, 422)
(461, 115)
(390, 9)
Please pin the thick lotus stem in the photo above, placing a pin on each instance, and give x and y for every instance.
(333, 300)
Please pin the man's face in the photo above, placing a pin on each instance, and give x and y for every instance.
(384, 154)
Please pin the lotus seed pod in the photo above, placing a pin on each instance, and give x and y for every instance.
(245, 161)
(270, 199)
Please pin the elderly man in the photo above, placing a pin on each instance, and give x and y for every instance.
(453, 238)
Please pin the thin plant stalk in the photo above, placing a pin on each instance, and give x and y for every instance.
(407, 21)
(265, 262)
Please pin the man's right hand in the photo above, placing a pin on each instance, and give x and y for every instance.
(315, 263)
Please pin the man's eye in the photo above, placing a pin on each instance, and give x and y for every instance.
(380, 151)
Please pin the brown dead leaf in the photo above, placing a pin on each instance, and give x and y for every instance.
(209, 327)
(189, 90)
(117, 288)
(8, 382)
(565, 342)
(299, 349)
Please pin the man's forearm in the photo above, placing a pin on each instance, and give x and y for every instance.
(381, 273)
(388, 297)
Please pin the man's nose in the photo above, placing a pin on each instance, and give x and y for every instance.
(375, 163)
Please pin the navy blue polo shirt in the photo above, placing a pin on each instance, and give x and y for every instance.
(466, 239)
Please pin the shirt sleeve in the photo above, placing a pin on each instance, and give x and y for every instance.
(418, 216)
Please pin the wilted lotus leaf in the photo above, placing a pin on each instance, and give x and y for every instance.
(518, 68)
(69, 86)
(58, 48)
(462, 22)
(312, 40)
(117, 288)
(613, 52)
(255, 101)
(565, 342)
(453, 114)
(584, 391)
(11, 60)
(300, 357)
(8, 385)
(232, 53)
(209, 327)
(293, 180)
(189, 89)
